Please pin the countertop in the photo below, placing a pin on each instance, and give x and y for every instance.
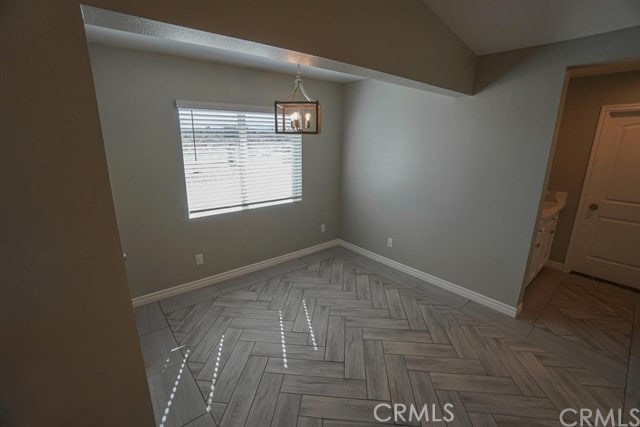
(551, 209)
(554, 202)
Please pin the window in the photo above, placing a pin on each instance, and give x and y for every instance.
(234, 160)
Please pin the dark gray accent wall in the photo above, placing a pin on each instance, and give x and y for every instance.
(136, 94)
(70, 352)
(457, 182)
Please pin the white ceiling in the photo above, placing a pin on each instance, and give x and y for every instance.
(489, 26)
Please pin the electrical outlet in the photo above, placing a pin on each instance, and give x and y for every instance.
(199, 259)
(323, 228)
(390, 242)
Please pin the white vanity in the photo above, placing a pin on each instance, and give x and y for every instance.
(546, 227)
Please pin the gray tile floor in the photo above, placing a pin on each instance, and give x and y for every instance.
(319, 341)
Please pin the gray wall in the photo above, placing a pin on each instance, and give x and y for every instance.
(61, 253)
(457, 182)
(136, 98)
(584, 100)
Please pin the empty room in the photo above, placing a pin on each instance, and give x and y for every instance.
(321, 214)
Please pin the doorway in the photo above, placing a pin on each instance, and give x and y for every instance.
(605, 241)
(587, 92)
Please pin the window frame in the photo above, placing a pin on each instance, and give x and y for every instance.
(240, 108)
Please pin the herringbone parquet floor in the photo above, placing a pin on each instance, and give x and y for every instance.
(320, 341)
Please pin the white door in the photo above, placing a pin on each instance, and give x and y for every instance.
(607, 233)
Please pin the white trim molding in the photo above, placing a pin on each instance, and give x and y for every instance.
(237, 272)
(451, 287)
(555, 265)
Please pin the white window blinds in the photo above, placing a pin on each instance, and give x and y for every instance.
(234, 160)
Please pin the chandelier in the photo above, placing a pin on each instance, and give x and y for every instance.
(297, 114)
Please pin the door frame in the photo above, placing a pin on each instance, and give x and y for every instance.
(605, 111)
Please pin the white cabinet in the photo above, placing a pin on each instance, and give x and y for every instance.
(541, 246)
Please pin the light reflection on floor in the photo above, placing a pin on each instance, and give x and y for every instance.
(284, 345)
(167, 409)
(313, 336)
(166, 362)
(215, 373)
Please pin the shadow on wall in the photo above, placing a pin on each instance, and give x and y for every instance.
(505, 65)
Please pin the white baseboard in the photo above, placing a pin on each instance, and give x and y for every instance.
(451, 287)
(217, 278)
(220, 277)
(555, 265)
